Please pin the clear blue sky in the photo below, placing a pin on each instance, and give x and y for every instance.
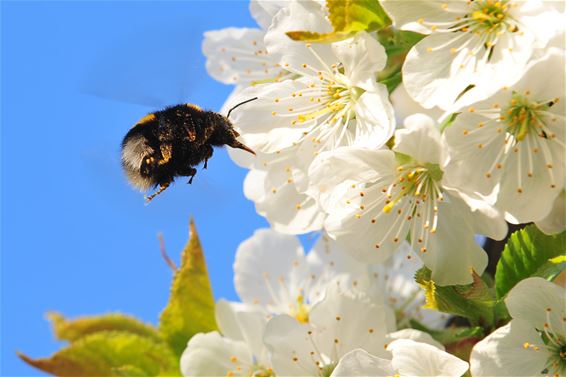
(75, 237)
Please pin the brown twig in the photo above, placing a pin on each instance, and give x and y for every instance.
(164, 255)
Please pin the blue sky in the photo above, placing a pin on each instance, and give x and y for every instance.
(75, 237)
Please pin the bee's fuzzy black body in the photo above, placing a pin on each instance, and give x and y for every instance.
(171, 142)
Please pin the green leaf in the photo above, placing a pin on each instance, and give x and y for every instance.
(475, 301)
(108, 352)
(75, 329)
(190, 309)
(529, 252)
(347, 18)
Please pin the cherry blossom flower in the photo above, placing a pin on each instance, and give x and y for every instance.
(341, 322)
(512, 145)
(534, 342)
(400, 193)
(272, 273)
(472, 48)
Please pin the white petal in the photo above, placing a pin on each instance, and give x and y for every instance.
(406, 15)
(555, 222)
(404, 106)
(411, 358)
(291, 346)
(252, 324)
(360, 363)
(212, 355)
(263, 11)
(540, 303)
(276, 197)
(415, 335)
(350, 321)
(362, 56)
(453, 253)
(435, 77)
(238, 55)
(502, 353)
(327, 262)
(269, 269)
(349, 163)
(300, 16)
(268, 125)
(420, 139)
(225, 314)
(375, 120)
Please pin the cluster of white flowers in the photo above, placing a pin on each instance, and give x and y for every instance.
(474, 136)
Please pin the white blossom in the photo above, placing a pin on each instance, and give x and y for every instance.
(534, 342)
(272, 273)
(341, 322)
(472, 48)
(511, 147)
(399, 193)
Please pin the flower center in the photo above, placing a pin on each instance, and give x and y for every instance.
(301, 310)
(490, 16)
(554, 344)
(261, 371)
(415, 193)
(523, 116)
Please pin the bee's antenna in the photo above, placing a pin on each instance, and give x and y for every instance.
(241, 103)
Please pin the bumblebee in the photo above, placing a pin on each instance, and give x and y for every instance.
(169, 143)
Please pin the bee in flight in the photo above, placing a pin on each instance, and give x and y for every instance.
(171, 142)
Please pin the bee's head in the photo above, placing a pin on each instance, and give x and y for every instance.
(225, 134)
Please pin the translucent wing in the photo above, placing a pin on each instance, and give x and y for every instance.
(146, 69)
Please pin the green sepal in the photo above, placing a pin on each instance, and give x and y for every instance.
(72, 330)
(106, 352)
(451, 334)
(190, 309)
(475, 301)
(347, 18)
(529, 252)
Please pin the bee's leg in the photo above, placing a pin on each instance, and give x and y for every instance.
(162, 188)
(188, 172)
(192, 174)
(190, 127)
(208, 155)
(166, 152)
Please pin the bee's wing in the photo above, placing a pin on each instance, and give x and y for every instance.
(146, 69)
